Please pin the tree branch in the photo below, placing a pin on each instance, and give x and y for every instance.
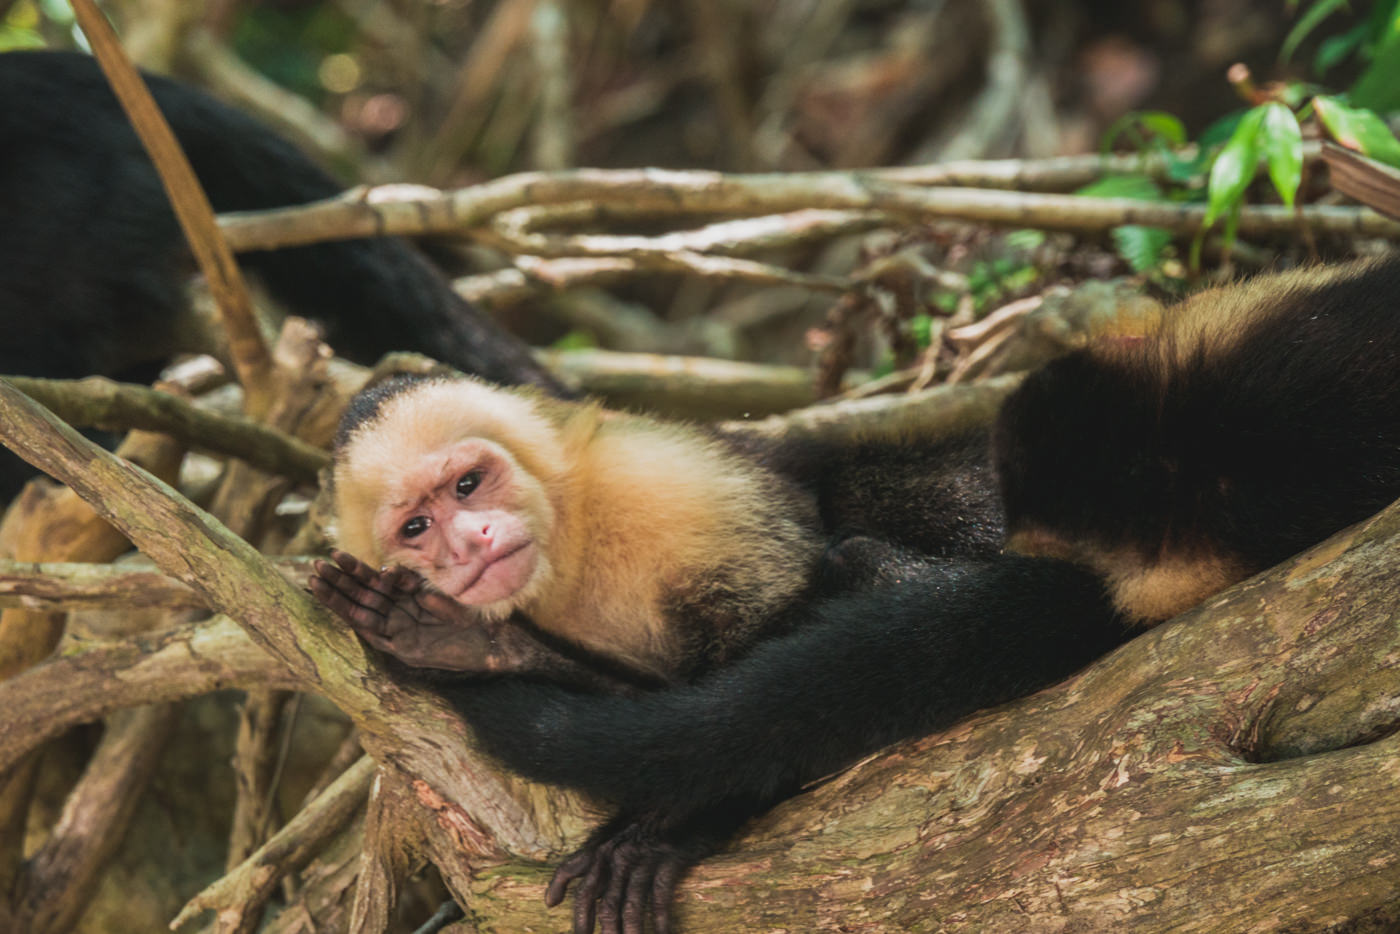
(413, 210)
(192, 546)
(240, 896)
(98, 402)
(1218, 773)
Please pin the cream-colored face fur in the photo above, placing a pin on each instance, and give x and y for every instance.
(440, 482)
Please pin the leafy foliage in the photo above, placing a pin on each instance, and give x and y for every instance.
(1269, 134)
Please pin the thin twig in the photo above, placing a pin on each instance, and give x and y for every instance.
(98, 402)
(192, 209)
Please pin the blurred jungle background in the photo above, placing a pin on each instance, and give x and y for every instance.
(453, 92)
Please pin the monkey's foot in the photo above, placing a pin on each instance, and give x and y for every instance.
(625, 872)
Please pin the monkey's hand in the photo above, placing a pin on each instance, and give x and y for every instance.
(398, 613)
(629, 869)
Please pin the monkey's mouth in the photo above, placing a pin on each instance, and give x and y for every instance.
(501, 575)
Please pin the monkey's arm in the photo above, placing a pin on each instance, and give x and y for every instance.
(396, 612)
(687, 765)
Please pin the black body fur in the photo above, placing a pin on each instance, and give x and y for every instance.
(934, 496)
(688, 765)
(93, 264)
(1257, 422)
(1245, 442)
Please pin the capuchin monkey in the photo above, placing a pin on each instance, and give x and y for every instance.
(93, 265)
(1249, 423)
(497, 532)
(525, 535)
(647, 543)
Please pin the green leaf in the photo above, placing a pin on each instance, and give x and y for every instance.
(1236, 166)
(1222, 129)
(1333, 49)
(1306, 23)
(1164, 125)
(1157, 122)
(1232, 223)
(946, 302)
(576, 340)
(1282, 142)
(1378, 88)
(1025, 239)
(1309, 21)
(1141, 246)
(1213, 135)
(1137, 187)
(1358, 129)
(921, 329)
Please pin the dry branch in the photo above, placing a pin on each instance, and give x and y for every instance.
(187, 198)
(482, 808)
(1217, 774)
(239, 897)
(48, 523)
(60, 878)
(73, 585)
(98, 402)
(694, 386)
(86, 685)
(939, 411)
(394, 210)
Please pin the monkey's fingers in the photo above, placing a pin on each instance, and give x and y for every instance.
(640, 869)
(344, 605)
(663, 893)
(569, 870)
(440, 606)
(402, 580)
(350, 564)
(368, 612)
(379, 581)
(586, 895)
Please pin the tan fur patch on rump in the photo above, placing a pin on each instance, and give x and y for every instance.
(1150, 592)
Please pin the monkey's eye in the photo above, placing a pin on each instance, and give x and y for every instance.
(469, 482)
(415, 527)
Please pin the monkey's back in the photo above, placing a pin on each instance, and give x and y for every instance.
(1260, 419)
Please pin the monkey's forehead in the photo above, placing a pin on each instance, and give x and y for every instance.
(425, 418)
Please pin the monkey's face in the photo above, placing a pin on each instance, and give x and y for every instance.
(473, 522)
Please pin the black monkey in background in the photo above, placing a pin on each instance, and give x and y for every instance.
(1248, 423)
(93, 264)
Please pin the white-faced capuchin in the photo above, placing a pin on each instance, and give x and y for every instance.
(545, 540)
(1254, 421)
(638, 541)
(93, 266)
(525, 535)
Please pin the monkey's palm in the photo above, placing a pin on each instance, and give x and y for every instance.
(399, 614)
